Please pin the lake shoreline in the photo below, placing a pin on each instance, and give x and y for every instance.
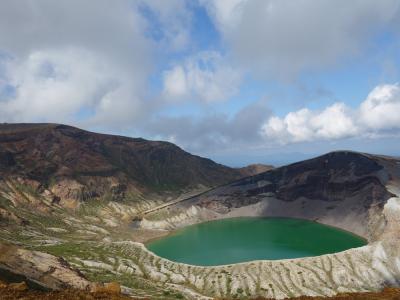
(244, 239)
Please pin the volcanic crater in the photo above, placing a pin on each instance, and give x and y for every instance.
(76, 208)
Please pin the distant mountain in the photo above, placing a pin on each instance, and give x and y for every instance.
(78, 164)
(254, 169)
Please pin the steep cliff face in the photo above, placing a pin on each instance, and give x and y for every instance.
(344, 189)
(331, 177)
(77, 164)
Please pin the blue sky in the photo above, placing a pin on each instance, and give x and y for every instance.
(239, 81)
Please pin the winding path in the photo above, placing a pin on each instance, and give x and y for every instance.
(170, 203)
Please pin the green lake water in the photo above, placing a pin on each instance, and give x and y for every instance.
(244, 239)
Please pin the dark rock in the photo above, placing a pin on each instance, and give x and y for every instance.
(336, 183)
(6, 159)
(56, 200)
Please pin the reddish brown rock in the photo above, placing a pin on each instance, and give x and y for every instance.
(18, 286)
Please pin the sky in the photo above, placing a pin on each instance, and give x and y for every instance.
(238, 81)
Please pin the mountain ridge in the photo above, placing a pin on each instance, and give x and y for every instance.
(339, 185)
(102, 164)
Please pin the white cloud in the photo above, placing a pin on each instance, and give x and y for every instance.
(381, 109)
(53, 85)
(69, 59)
(85, 62)
(115, 31)
(47, 82)
(284, 37)
(175, 84)
(334, 122)
(205, 76)
(375, 116)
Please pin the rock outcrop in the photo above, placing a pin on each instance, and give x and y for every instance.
(46, 270)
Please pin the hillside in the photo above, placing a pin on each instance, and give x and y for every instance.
(254, 169)
(124, 192)
(78, 165)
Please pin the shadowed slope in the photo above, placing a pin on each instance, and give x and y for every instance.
(344, 189)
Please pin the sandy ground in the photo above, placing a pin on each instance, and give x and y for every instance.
(146, 235)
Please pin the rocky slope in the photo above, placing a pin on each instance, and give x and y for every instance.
(46, 169)
(74, 164)
(64, 190)
(344, 189)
